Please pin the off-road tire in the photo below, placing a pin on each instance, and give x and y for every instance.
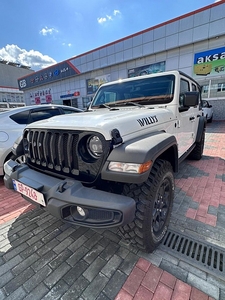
(154, 200)
(197, 152)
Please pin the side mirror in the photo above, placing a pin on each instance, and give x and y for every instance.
(190, 99)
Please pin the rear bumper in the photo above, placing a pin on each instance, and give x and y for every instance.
(62, 197)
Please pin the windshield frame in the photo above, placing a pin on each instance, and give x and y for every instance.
(148, 91)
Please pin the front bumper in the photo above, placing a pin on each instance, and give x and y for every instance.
(63, 196)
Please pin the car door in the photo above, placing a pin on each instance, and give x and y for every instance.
(186, 121)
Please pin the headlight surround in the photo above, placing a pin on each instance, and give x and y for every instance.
(124, 167)
(94, 146)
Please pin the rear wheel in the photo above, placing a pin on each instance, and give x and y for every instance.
(154, 200)
(197, 152)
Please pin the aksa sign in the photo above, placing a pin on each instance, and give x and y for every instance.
(209, 62)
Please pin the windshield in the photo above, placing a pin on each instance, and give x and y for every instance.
(152, 90)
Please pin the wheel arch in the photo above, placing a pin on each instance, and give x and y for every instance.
(140, 150)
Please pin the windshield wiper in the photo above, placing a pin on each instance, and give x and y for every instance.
(134, 103)
(128, 103)
(103, 105)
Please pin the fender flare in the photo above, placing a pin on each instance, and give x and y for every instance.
(141, 150)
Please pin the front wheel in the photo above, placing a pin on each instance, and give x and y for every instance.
(154, 200)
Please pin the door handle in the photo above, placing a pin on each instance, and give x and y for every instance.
(191, 118)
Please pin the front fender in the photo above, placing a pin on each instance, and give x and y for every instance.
(141, 150)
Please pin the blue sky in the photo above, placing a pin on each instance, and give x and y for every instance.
(42, 33)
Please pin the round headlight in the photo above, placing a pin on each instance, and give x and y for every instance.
(94, 146)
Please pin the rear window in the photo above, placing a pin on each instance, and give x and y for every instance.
(30, 116)
(21, 117)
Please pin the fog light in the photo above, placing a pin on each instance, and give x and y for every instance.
(81, 211)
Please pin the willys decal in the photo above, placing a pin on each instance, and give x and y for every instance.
(147, 121)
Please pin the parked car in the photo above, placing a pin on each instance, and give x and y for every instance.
(13, 121)
(207, 110)
(8, 105)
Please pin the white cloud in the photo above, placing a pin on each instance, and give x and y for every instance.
(108, 17)
(69, 44)
(34, 59)
(116, 12)
(101, 20)
(46, 31)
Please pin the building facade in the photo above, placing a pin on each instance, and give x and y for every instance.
(9, 74)
(193, 43)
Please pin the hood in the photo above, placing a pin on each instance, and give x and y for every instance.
(126, 120)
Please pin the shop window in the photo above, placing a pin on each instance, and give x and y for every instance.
(221, 87)
(205, 88)
(74, 103)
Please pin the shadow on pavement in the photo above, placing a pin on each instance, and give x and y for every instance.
(44, 258)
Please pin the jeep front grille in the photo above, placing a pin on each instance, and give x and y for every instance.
(63, 152)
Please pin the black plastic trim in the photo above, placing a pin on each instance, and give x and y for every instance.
(140, 150)
(73, 193)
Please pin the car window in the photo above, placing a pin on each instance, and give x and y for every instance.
(38, 115)
(184, 87)
(21, 117)
(69, 111)
(194, 88)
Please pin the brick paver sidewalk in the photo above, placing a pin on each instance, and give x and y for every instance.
(148, 282)
(12, 204)
(85, 264)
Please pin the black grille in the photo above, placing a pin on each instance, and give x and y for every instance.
(63, 152)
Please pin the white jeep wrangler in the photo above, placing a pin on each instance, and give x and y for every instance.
(114, 164)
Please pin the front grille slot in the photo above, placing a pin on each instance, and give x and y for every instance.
(54, 150)
(57, 151)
